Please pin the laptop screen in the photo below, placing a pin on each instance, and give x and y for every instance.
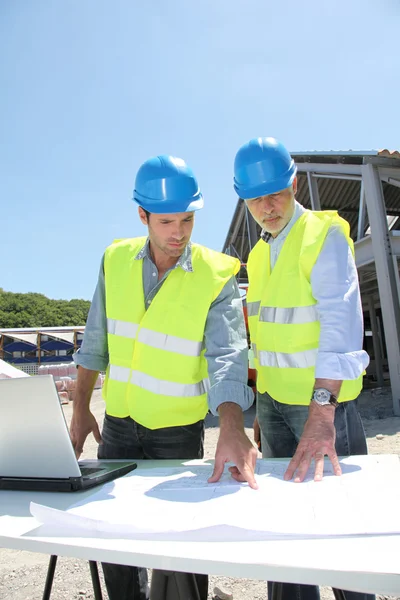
(34, 437)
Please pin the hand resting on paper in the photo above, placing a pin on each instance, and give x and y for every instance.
(234, 446)
(317, 440)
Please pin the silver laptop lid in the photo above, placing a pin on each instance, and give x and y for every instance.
(34, 437)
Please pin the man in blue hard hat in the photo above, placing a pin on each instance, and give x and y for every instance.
(166, 325)
(306, 327)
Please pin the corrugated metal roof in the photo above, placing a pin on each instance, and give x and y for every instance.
(385, 153)
(389, 153)
(335, 153)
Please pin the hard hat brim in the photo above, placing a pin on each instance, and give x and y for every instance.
(166, 207)
(266, 188)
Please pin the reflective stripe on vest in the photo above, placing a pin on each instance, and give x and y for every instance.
(122, 328)
(158, 386)
(253, 308)
(154, 339)
(295, 360)
(283, 360)
(288, 316)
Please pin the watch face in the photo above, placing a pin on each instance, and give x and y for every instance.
(322, 396)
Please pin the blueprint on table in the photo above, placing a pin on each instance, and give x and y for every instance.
(165, 501)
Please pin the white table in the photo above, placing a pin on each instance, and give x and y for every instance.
(365, 564)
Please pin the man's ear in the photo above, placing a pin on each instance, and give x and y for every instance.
(143, 216)
(294, 184)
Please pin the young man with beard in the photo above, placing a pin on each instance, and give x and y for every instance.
(166, 324)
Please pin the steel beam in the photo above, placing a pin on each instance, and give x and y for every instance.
(235, 251)
(314, 192)
(380, 334)
(390, 172)
(238, 223)
(395, 242)
(363, 252)
(361, 214)
(396, 274)
(325, 168)
(384, 162)
(335, 176)
(385, 271)
(251, 229)
(391, 181)
(375, 341)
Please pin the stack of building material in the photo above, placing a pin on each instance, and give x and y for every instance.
(65, 379)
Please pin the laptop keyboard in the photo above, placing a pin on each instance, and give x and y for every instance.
(90, 470)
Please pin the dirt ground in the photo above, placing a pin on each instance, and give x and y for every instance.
(22, 574)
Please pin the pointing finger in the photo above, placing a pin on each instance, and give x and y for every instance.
(217, 472)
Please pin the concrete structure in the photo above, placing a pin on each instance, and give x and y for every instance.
(364, 187)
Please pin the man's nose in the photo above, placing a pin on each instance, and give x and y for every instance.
(268, 205)
(178, 234)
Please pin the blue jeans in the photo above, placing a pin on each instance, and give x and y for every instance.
(281, 426)
(126, 439)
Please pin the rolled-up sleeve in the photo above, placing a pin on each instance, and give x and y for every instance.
(226, 350)
(334, 282)
(93, 353)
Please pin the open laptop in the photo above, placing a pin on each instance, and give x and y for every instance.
(36, 452)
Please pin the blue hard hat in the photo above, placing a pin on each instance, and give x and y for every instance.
(262, 166)
(165, 184)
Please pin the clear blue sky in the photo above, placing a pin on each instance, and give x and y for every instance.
(90, 89)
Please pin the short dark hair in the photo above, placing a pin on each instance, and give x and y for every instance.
(147, 214)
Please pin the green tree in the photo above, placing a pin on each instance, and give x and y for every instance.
(36, 310)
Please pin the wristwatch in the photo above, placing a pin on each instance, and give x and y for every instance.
(323, 397)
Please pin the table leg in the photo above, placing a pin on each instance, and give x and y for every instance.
(187, 586)
(171, 585)
(94, 572)
(277, 590)
(49, 578)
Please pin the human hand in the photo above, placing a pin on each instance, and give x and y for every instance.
(234, 446)
(317, 440)
(238, 449)
(83, 422)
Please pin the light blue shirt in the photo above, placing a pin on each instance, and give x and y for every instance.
(334, 284)
(225, 339)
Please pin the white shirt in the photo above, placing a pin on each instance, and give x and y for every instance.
(334, 284)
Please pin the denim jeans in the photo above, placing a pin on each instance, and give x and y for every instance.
(281, 426)
(126, 439)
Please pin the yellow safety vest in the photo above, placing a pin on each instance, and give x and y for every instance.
(157, 373)
(283, 319)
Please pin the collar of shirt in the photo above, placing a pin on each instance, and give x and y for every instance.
(185, 260)
(280, 238)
